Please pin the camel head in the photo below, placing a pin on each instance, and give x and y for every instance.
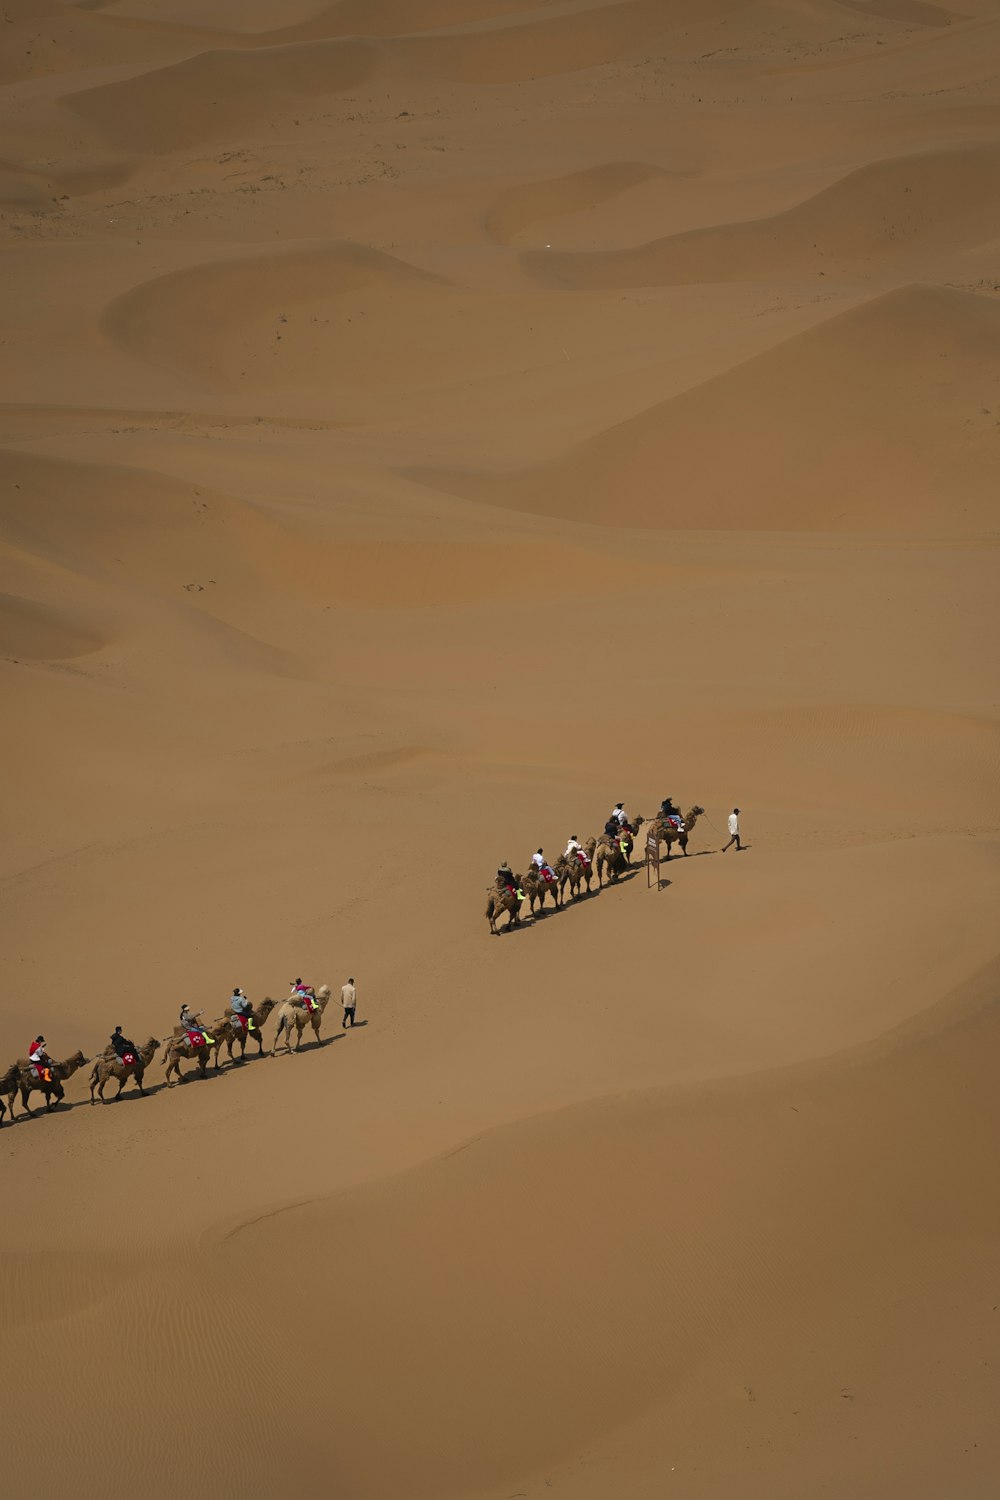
(695, 812)
(265, 1007)
(70, 1064)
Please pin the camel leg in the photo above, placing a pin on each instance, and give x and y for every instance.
(140, 1074)
(24, 1100)
(121, 1085)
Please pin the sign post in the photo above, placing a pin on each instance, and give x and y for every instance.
(652, 858)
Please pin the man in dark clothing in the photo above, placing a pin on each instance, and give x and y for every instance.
(123, 1047)
(667, 808)
(612, 828)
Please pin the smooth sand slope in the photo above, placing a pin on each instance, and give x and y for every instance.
(423, 424)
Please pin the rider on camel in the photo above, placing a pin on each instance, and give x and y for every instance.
(122, 1046)
(239, 1004)
(575, 849)
(191, 1022)
(542, 865)
(38, 1056)
(669, 812)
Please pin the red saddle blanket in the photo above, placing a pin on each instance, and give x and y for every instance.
(41, 1072)
(245, 1022)
(583, 859)
(129, 1059)
(547, 875)
(196, 1038)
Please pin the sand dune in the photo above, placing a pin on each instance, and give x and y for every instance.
(28, 629)
(220, 93)
(870, 421)
(214, 318)
(305, 20)
(347, 550)
(935, 202)
(523, 205)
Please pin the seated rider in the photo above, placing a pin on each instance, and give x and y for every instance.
(542, 865)
(121, 1044)
(668, 810)
(612, 827)
(574, 847)
(303, 994)
(239, 1004)
(38, 1055)
(191, 1020)
(620, 815)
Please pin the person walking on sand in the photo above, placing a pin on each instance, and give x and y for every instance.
(349, 1000)
(734, 830)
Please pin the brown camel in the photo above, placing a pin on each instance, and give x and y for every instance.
(574, 873)
(297, 1015)
(614, 852)
(52, 1087)
(8, 1090)
(670, 834)
(536, 888)
(611, 860)
(502, 900)
(229, 1031)
(106, 1067)
(179, 1047)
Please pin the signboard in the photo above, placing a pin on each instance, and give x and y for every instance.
(652, 859)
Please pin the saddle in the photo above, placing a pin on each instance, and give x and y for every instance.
(42, 1072)
(245, 1022)
(198, 1038)
(128, 1059)
(585, 862)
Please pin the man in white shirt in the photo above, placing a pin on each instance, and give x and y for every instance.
(349, 1000)
(734, 829)
(620, 814)
(573, 847)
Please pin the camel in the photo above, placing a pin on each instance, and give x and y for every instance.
(51, 1087)
(536, 888)
(294, 1013)
(614, 854)
(229, 1031)
(573, 873)
(501, 901)
(610, 859)
(8, 1088)
(670, 834)
(111, 1066)
(179, 1046)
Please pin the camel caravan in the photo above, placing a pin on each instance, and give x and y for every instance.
(602, 859)
(192, 1041)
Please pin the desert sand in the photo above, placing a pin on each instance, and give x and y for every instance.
(424, 424)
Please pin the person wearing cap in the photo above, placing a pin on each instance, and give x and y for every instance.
(734, 830)
(38, 1055)
(121, 1044)
(573, 847)
(507, 881)
(239, 1004)
(349, 1000)
(620, 816)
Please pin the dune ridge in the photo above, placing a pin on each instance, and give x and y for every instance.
(936, 201)
(855, 424)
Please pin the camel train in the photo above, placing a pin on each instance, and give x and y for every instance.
(608, 856)
(23, 1078)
